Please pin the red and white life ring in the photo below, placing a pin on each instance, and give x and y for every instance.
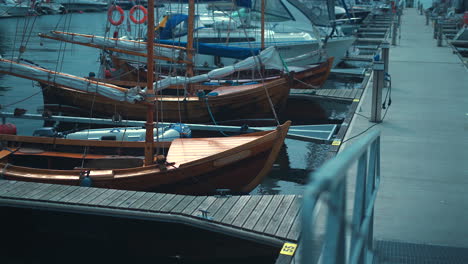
(142, 9)
(110, 13)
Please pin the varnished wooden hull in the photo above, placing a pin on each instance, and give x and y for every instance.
(239, 169)
(315, 78)
(250, 101)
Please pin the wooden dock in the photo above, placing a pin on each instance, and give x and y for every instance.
(266, 219)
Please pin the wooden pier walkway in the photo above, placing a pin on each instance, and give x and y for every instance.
(423, 197)
(267, 219)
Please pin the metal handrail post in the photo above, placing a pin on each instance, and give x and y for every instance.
(394, 32)
(378, 83)
(440, 31)
(330, 179)
(385, 46)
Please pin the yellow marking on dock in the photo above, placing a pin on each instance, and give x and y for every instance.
(336, 142)
(288, 249)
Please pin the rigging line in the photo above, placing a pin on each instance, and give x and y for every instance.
(22, 100)
(30, 33)
(258, 65)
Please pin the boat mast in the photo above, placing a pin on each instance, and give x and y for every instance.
(263, 24)
(189, 47)
(150, 96)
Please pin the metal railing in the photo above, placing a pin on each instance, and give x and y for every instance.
(329, 184)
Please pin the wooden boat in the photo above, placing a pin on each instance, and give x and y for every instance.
(227, 102)
(193, 165)
(304, 77)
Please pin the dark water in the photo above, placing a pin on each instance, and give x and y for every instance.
(288, 175)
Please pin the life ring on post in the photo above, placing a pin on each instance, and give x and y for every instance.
(142, 9)
(111, 11)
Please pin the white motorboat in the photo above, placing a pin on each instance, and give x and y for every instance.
(292, 27)
(10, 8)
(83, 5)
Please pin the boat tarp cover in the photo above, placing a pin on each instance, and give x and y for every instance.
(269, 58)
(75, 82)
(215, 50)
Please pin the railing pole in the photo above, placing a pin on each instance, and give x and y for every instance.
(436, 27)
(378, 81)
(385, 57)
(394, 32)
(439, 32)
(427, 17)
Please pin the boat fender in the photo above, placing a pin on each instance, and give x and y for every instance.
(85, 180)
(212, 94)
(111, 11)
(183, 130)
(142, 9)
(8, 129)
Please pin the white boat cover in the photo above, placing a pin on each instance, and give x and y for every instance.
(269, 58)
(40, 74)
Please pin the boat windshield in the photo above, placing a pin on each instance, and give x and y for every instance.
(320, 12)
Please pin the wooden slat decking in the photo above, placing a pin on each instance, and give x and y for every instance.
(345, 94)
(271, 219)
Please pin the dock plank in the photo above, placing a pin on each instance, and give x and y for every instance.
(269, 212)
(214, 207)
(229, 218)
(11, 185)
(55, 192)
(109, 199)
(163, 201)
(143, 200)
(183, 204)
(91, 195)
(21, 190)
(101, 197)
(151, 201)
(73, 194)
(124, 197)
(43, 192)
(204, 206)
(227, 205)
(275, 221)
(172, 203)
(288, 219)
(85, 192)
(60, 195)
(131, 200)
(295, 229)
(39, 188)
(193, 205)
(257, 212)
(245, 213)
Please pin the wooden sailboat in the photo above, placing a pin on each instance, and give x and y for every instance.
(191, 166)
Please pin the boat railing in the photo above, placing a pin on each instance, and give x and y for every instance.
(345, 238)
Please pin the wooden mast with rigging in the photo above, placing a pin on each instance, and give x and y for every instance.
(263, 24)
(189, 48)
(150, 95)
